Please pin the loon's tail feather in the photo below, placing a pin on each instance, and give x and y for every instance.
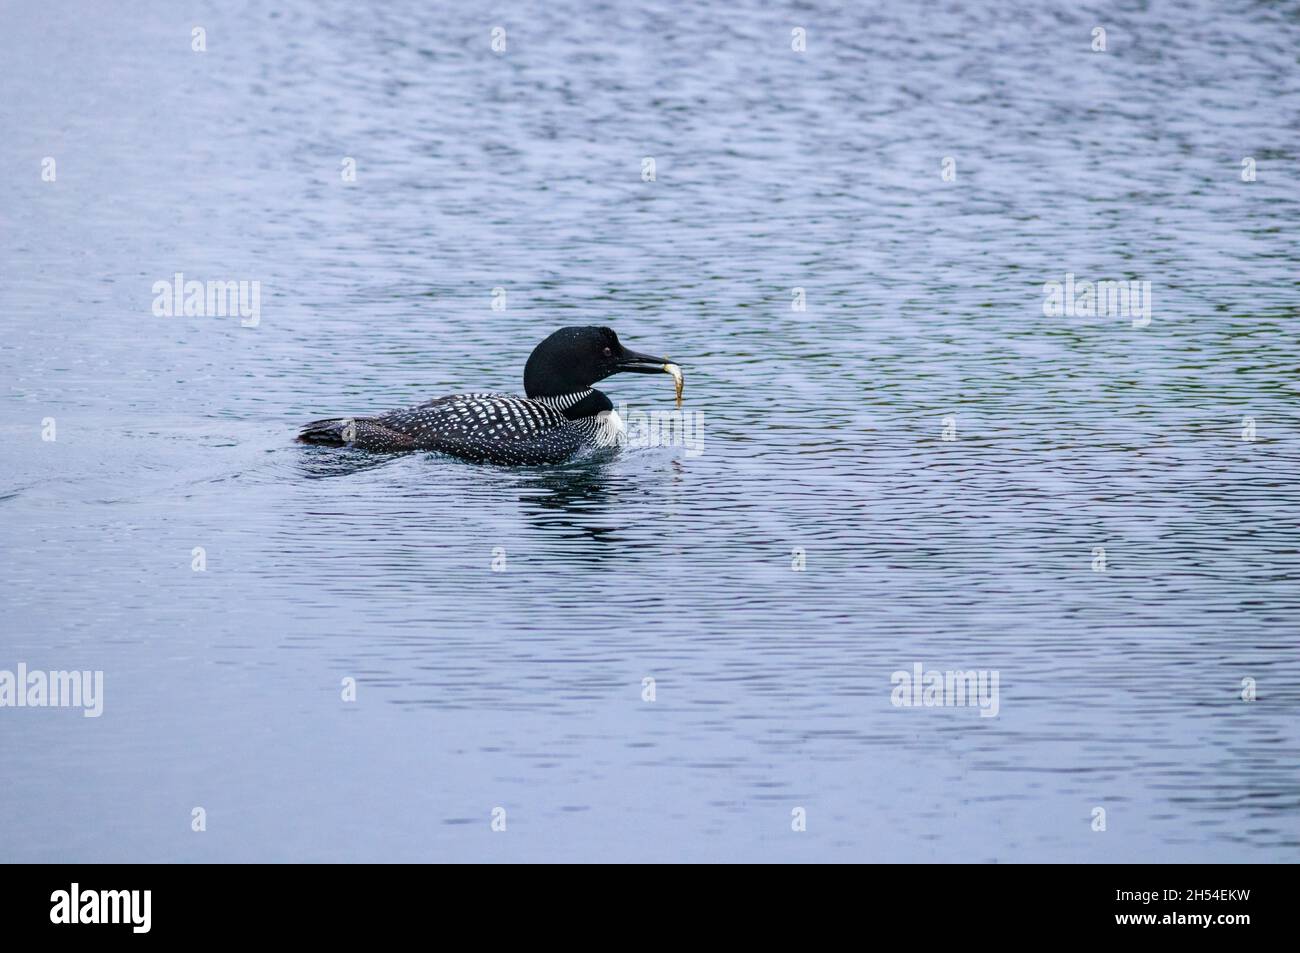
(332, 432)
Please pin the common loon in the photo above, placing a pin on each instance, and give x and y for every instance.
(561, 415)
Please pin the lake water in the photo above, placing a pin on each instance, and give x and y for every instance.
(1120, 687)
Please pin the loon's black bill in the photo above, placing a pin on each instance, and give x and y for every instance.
(635, 363)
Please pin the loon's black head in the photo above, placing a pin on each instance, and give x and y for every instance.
(572, 359)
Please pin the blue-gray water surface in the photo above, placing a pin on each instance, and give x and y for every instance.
(945, 458)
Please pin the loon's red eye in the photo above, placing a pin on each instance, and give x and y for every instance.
(608, 352)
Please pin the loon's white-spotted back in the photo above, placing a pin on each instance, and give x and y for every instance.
(561, 415)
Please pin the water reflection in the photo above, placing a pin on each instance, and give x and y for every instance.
(323, 463)
(574, 499)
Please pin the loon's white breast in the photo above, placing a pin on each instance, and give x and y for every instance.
(610, 431)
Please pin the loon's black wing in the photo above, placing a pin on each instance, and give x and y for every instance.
(490, 428)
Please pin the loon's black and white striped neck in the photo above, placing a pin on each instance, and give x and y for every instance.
(565, 401)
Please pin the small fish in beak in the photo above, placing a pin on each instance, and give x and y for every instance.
(678, 380)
